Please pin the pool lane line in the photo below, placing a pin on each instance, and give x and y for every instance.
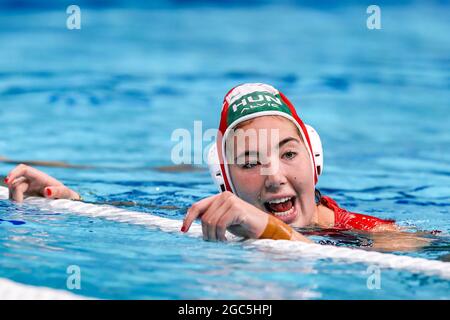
(43, 163)
(11, 290)
(290, 248)
(61, 164)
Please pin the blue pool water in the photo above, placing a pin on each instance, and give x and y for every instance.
(111, 94)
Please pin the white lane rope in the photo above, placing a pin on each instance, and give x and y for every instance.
(298, 249)
(10, 290)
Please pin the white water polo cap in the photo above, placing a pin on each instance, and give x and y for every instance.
(248, 101)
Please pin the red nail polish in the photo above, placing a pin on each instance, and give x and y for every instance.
(49, 192)
(6, 180)
(183, 229)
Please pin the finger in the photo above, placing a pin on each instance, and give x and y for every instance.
(195, 211)
(209, 230)
(212, 216)
(17, 172)
(60, 192)
(16, 182)
(204, 231)
(13, 185)
(224, 222)
(18, 190)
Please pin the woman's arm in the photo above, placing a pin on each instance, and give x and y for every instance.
(391, 237)
(398, 241)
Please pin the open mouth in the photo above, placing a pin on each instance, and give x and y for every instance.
(281, 208)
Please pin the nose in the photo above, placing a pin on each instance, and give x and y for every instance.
(275, 177)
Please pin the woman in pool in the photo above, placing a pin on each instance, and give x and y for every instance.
(268, 183)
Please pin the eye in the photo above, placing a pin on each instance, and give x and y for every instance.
(289, 155)
(250, 165)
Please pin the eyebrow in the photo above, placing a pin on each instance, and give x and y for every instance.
(286, 140)
(256, 153)
(246, 154)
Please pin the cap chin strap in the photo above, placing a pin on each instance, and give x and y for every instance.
(217, 174)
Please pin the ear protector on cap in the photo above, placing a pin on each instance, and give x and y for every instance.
(217, 174)
(214, 168)
(317, 149)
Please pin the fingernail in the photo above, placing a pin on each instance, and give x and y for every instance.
(49, 192)
(6, 180)
(183, 229)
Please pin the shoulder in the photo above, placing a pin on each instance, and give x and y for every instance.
(345, 219)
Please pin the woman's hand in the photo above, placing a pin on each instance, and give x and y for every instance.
(24, 181)
(227, 211)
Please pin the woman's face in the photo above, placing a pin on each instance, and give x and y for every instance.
(274, 172)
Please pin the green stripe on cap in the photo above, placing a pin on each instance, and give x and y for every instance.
(257, 101)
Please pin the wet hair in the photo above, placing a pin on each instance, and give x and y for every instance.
(318, 196)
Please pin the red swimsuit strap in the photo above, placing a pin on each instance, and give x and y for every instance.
(344, 219)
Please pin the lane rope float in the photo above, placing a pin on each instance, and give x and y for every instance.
(299, 249)
(10, 290)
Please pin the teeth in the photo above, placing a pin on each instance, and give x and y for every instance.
(280, 200)
(284, 213)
